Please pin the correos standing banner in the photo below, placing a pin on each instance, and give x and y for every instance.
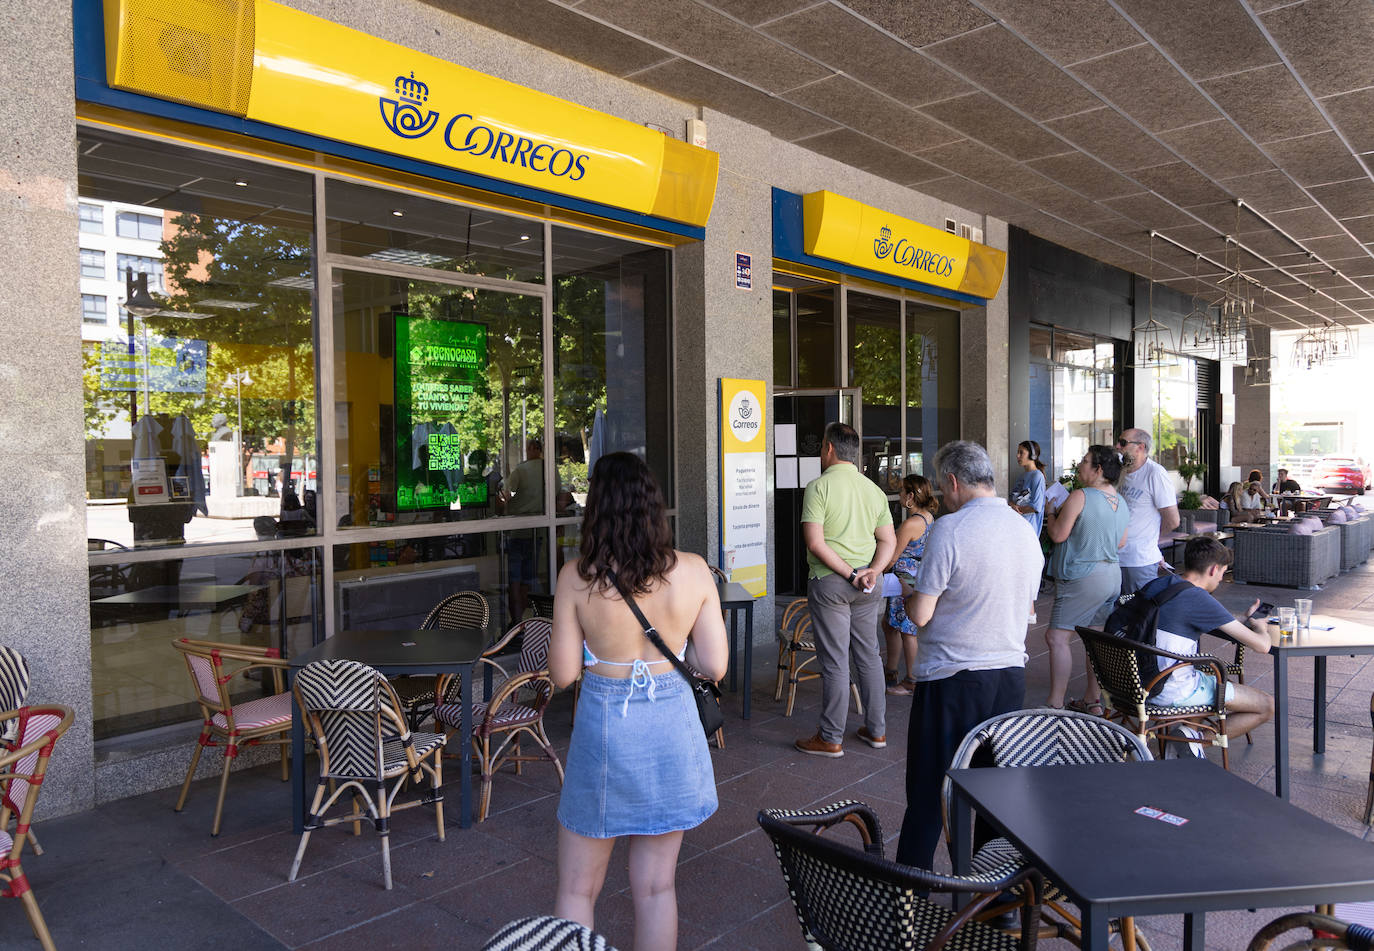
(744, 484)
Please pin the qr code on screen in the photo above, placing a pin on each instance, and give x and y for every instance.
(444, 453)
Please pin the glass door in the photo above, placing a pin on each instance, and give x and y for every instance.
(799, 420)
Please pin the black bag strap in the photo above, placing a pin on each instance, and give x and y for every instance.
(1170, 592)
(649, 631)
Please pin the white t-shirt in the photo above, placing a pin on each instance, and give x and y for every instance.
(1147, 490)
(1251, 500)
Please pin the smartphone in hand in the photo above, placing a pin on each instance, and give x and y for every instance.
(1264, 610)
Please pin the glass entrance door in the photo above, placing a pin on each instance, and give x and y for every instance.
(799, 421)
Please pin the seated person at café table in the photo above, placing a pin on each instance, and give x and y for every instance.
(1254, 482)
(1187, 616)
(1285, 484)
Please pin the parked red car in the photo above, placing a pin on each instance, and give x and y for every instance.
(1341, 474)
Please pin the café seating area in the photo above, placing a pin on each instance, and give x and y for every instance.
(461, 889)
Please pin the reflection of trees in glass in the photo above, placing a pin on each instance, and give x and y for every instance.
(875, 363)
(264, 271)
(579, 322)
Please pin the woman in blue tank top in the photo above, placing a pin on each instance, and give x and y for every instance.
(1088, 529)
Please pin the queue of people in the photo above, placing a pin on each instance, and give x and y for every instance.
(638, 767)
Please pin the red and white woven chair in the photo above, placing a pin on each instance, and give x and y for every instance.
(22, 770)
(14, 690)
(515, 708)
(232, 724)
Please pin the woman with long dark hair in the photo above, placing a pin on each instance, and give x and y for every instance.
(919, 503)
(638, 765)
(1028, 493)
(1088, 530)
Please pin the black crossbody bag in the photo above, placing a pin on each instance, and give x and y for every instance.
(704, 692)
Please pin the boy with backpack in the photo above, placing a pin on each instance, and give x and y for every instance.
(1187, 610)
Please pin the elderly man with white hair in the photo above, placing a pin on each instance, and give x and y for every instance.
(1153, 503)
(974, 594)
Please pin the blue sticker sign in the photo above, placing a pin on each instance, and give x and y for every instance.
(744, 271)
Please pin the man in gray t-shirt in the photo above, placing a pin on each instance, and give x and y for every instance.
(974, 594)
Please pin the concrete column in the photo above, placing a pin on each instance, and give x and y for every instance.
(1253, 445)
(44, 612)
(722, 331)
(984, 367)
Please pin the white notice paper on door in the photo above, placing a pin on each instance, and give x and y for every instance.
(808, 468)
(785, 440)
(787, 473)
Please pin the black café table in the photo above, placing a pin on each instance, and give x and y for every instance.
(734, 598)
(395, 653)
(1241, 847)
(1345, 637)
(183, 598)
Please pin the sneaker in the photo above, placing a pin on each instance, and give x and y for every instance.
(816, 746)
(877, 742)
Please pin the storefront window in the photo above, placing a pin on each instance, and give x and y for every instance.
(611, 359)
(259, 599)
(817, 349)
(875, 365)
(394, 584)
(1071, 396)
(782, 338)
(932, 384)
(1174, 428)
(399, 228)
(438, 402)
(200, 418)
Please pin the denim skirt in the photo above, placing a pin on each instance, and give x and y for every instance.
(639, 767)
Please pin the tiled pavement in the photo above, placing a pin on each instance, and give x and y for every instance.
(133, 874)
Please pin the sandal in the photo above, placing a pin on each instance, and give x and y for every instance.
(890, 676)
(901, 689)
(1093, 708)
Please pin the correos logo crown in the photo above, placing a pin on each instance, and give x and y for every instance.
(909, 255)
(405, 118)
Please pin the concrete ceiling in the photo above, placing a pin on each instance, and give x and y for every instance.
(1088, 122)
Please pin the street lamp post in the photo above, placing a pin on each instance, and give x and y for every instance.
(239, 378)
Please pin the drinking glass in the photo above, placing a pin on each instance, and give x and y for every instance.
(1287, 622)
(1302, 607)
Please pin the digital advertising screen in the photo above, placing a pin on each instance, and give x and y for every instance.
(441, 368)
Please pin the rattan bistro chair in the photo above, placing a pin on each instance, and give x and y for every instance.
(796, 649)
(1323, 931)
(1044, 737)
(1114, 663)
(230, 724)
(22, 771)
(364, 742)
(464, 609)
(854, 899)
(514, 711)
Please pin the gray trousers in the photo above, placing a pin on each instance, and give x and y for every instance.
(1134, 578)
(845, 622)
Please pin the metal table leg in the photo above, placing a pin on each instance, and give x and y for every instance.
(1281, 724)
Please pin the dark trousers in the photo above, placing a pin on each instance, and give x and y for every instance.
(942, 714)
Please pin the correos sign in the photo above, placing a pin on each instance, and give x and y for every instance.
(745, 416)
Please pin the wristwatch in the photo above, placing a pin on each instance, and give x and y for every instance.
(854, 573)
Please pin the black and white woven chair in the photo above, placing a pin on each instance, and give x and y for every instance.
(14, 690)
(364, 744)
(546, 933)
(465, 609)
(515, 710)
(1044, 737)
(854, 899)
(1114, 662)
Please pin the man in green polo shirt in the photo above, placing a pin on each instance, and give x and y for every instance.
(847, 528)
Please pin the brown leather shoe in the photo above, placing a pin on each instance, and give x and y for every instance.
(877, 742)
(819, 747)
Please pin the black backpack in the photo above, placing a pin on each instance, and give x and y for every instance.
(1135, 618)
